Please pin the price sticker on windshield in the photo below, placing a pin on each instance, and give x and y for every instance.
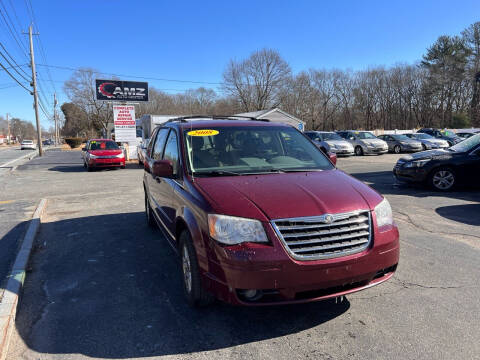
(203, 132)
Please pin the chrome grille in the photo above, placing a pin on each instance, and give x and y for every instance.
(326, 236)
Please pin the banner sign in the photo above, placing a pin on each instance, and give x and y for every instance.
(117, 90)
(124, 121)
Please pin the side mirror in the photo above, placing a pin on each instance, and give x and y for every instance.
(163, 168)
(84, 149)
(333, 158)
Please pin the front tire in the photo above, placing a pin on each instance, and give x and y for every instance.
(424, 147)
(148, 213)
(397, 149)
(358, 151)
(443, 179)
(195, 294)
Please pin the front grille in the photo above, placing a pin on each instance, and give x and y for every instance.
(312, 238)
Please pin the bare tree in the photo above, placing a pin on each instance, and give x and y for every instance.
(257, 81)
(80, 89)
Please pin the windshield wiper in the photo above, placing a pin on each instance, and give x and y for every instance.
(216, 173)
(293, 170)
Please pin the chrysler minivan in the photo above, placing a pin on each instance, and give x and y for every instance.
(260, 216)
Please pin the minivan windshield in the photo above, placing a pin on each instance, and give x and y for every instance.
(466, 145)
(365, 135)
(218, 151)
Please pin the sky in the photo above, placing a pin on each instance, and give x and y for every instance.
(194, 40)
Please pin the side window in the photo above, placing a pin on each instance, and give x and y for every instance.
(171, 151)
(159, 144)
(150, 144)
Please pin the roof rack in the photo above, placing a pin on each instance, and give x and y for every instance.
(215, 117)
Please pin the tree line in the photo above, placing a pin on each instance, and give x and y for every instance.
(441, 90)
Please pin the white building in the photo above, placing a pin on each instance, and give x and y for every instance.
(277, 115)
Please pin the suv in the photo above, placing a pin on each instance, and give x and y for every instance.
(364, 142)
(259, 215)
(446, 135)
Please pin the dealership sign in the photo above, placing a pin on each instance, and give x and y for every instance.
(117, 90)
(124, 121)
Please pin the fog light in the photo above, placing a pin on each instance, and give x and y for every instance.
(251, 294)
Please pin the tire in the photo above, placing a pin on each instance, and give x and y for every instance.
(123, 167)
(397, 149)
(358, 150)
(89, 168)
(148, 213)
(195, 294)
(424, 147)
(443, 179)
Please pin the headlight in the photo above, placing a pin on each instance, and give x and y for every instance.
(120, 156)
(232, 230)
(383, 212)
(416, 163)
(92, 156)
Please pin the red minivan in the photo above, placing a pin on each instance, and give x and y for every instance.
(260, 216)
(102, 153)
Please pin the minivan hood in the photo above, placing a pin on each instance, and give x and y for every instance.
(278, 196)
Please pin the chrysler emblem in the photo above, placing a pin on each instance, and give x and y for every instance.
(327, 218)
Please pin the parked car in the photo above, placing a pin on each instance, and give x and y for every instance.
(446, 135)
(428, 141)
(400, 143)
(364, 142)
(443, 169)
(141, 149)
(28, 144)
(464, 135)
(260, 216)
(337, 144)
(322, 145)
(48, 142)
(102, 153)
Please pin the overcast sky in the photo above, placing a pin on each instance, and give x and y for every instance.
(193, 41)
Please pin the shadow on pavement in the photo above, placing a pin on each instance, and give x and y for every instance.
(468, 213)
(110, 287)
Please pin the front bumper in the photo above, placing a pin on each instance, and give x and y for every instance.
(284, 280)
(112, 162)
(342, 152)
(410, 174)
(367, 150)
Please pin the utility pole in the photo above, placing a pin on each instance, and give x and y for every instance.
(35, 94)
(55, 118)
(8, 131)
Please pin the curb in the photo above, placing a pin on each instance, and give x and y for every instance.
(9, 302)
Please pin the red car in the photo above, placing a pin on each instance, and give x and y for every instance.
(260, 216)
(102, 153)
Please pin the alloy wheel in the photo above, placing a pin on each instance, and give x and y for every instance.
(443, 179)
(187, 270)
(397, 149)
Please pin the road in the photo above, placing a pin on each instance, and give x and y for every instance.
(13, 212)
(105, 286)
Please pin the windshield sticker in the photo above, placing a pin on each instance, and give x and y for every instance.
(203, 132)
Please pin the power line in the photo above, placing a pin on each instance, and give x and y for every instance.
(19, 43)
(42, 50)
(132, 76)
(14, 78)
(9, 63)
(13, 67)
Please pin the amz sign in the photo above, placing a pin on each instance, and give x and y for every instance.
(117, 90)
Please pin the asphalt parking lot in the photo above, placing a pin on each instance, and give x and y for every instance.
(103, 285)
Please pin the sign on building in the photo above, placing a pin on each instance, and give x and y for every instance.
(124, 121)
(117, 90)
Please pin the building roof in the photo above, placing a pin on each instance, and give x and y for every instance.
(263, 114)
